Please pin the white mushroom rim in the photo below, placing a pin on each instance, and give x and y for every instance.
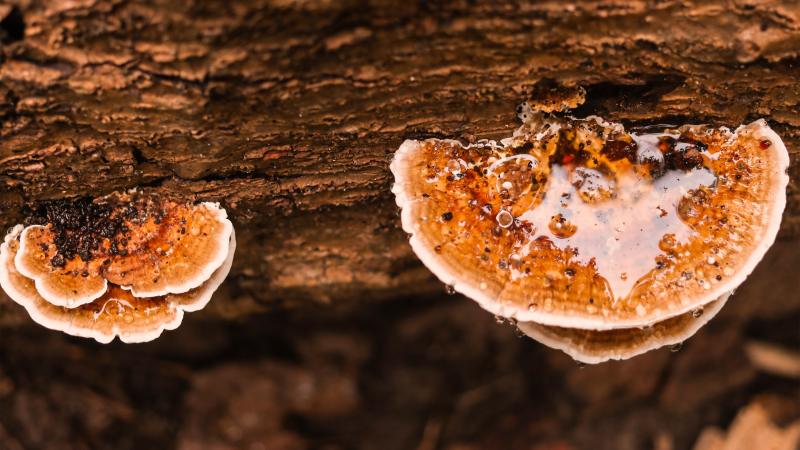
(492, 293)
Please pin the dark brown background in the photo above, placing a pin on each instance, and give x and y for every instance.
(329, 333)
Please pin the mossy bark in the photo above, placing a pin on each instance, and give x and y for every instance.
(288, 111)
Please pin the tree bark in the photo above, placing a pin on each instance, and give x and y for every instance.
(288, 111)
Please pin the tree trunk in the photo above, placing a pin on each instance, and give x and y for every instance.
(288, 111)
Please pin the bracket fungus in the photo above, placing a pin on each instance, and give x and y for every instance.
(124, 265)
(605, 238)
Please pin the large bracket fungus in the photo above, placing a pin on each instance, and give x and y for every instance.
(125, 265)
(605, 239)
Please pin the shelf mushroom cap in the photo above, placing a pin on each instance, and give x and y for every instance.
(594, 347)
(167, 248)
(116, 312)
(582, 224)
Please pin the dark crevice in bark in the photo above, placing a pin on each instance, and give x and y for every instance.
(12, 27)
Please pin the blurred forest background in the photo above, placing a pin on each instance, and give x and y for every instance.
(329, 333)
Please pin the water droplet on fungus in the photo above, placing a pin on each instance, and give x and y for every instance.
(505, 219)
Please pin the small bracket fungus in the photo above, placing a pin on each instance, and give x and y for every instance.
(92, 269)
(607, 229)
(593, 347)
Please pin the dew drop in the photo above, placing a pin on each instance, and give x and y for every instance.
(765, 145)
(499, 320)
(697, 312)
(532, 307)
(623, 276)
(733, 291)
(128, 319)
(580, 365)
(505, 219)
(675, 347)
(520, 333)
(667, 242)
(438, 249)
(450, 289)
(453, 166)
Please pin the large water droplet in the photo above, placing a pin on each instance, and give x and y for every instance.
(505, 219)
(453, 166)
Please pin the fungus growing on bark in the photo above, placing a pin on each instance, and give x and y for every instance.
(582, 224)
(121, 310)
(73, 249)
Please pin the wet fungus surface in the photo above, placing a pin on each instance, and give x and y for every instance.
(582, 224)
(125, 265)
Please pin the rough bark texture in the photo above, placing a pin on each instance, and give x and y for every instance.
(287, 111)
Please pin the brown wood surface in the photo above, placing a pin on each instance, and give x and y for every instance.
(287, 112)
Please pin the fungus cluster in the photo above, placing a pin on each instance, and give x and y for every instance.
(599, 241)
(125, 265)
